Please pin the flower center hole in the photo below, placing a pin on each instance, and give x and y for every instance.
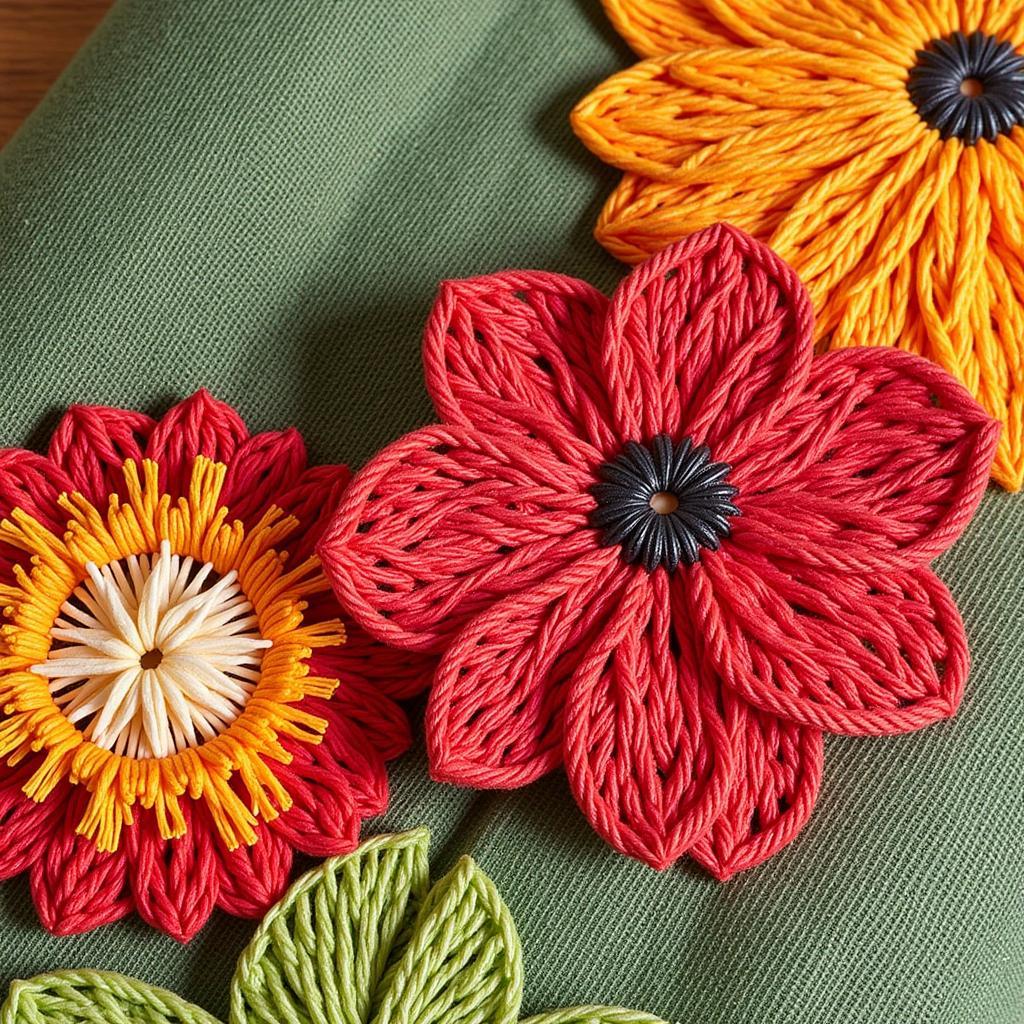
(664, 503)
(972, 87)
(151, 659)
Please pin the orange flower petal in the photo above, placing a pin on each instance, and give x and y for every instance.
(718, 116)
(888, 29)
(969, 293)
(643, 216)
(861, 218)
(656, 27)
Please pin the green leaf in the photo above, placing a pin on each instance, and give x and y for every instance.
(98, 997)
(319, 955)
(463, 963)
(593, 1015)
(357, 940)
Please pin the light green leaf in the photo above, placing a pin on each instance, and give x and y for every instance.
(358, 940)
(463, 963)
(98, 997)
(593, 1015)
(320, 953)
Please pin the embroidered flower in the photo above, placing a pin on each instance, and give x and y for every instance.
(878, 148)
(180, 708)
(362, 937)
(686, 696)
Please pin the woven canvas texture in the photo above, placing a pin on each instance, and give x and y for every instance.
(261, 199)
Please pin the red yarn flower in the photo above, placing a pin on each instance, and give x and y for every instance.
(180, 707)
(660, 543)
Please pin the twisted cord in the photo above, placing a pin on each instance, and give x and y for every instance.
(96, 997)
(321, 952)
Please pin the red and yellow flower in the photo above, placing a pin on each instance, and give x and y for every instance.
(181, 705)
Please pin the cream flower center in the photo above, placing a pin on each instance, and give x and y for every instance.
(154, 654)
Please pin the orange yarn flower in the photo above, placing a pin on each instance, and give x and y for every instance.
(876, 146)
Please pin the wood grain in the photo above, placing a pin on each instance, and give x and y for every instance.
(37, 39)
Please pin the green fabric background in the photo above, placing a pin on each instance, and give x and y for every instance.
(262, 198)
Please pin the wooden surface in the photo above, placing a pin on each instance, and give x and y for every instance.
(37, 38)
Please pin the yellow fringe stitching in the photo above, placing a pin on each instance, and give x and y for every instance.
(196, 526)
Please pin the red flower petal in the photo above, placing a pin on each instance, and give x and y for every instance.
(92, 443)
(519, 348)
(364, 730)
(778, 773)
(251, 879)
(32, 483)
(200, 425)
(261, 468)
(445, 521)
(709, 339)
(312, 499)
(647, 751)
(363, 662)
(880, 464)
(325, 815)
(864, 656)
(496, 707)
(365, 716)
(75, 887)
(175, 882)
(23, 822)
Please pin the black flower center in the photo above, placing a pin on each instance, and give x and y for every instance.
(969, 87)
(663, 502)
